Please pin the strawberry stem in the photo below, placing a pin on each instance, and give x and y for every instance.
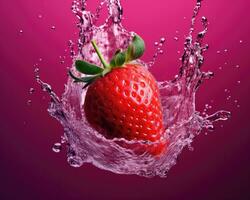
(99, 54)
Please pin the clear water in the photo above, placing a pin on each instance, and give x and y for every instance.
(182, 121)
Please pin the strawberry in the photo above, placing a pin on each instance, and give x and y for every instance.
(122, 99)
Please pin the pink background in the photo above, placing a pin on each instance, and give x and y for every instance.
(218, 168)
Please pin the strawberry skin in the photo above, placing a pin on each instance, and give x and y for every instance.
(125, 103)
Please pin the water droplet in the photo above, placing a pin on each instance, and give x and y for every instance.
(21, 31)
(75, 161)
(29, 102)
(63, 140)
(225, 50)
(31, 90)
(40, 16)
(156, 43)
(53, 27)
(218, 52)
(176, 38)
(238, 82)
(36, 70)
(190, 148)
(57, 147)
(204, 19)
(229, 97)
(161, 52)
(201, 34)
(237, 66)
(40, 59)
(206, 47)
(162, 40)
(241, 41)
(210, 128)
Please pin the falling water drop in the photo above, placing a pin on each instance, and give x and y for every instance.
(31, 90)
(229, 97)
(75, 161)
(36, 70)
(204, 19)
(63, 140)
(29, 102)
(163, 40)
(57, 147)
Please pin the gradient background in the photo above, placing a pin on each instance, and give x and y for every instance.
(218, 168)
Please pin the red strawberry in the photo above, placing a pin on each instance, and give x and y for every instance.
(122, 100)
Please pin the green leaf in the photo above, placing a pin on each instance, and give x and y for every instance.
(135, 49)
(118, 59)
(87, 84)
(91, 81)
(84, 79)
(87, 68)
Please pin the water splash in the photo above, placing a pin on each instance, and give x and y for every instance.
(159, 50)
(182, 121)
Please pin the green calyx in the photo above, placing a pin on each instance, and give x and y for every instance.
(134, 51)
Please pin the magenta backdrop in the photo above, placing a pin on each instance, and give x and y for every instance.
(218, 168)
